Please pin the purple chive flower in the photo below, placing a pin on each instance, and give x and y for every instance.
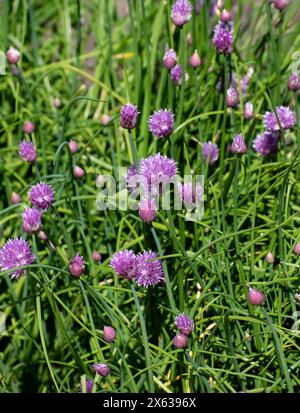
(190, 194)
(176, 75)
(266, 143)
(155, 171)
(128, 116)
(161, 123)
(255, 297)
(281, 4)
(180, 341)
(248, 111)
(210, 152)
(294, 82)
(88, 386)
(109, 334)
(124, 263)
(238, 145)
(147, 210)
(297, 248)
(78, 172)
(27, 151)
(225, 16)
(286, 117)
(12, 56)
(170, 59)
(223, 38)
(15, 253)
(101, 369)
(181, 12)
(32, 220)
(76, 265)
(41, 195)
(149, 271)
(232, 97)
(184, 324)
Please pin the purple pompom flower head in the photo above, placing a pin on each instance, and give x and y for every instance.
(128, 116)
(124, 263)
(32, 220)
(232, 97)
(248, 111)
(238, 145)
(294, 82)
(101, 369)
(15, 253)
(155, 171)
(287, 119)
(149, 269)
(181, 12)
(223, 38)
(12, 56)
(27, 151)
(88, 386)
(184, 324)
(255, 297)
(266, 143)
(176, 75)
(41, 196)
(76, 265)
(210, 152)
(170, 59)
(161, 123)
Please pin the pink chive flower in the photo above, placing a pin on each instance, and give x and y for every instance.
(184, 324)
(15, 253)
(287, 119)
(42, 235)
(266, 144)
(105, 119)
(232, 97)
(181, 12)
(225, 16)
(195, 60)
(176, 75)
(27, 151)
(32, 220)
(161, 123)
(12, 56)
(294, 82)
(73, 145)
(149, 269)
(109, 334)
(248, 111)
(281, 4)
(238, 145)
(155, 171)
(76, 265)
(170, 59)
(56, 103)
(223, 38)
(89, 384)
(124, 263)
(297, 249)
(255, 297)
(180, 341)
(41, 196)
(96, 256)
(78, 172)
(101, 369)
(269, 258)
(147, 210)
(15, 198)
(128, 116)
(190, 194)
(210, 152)
(28, 127)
